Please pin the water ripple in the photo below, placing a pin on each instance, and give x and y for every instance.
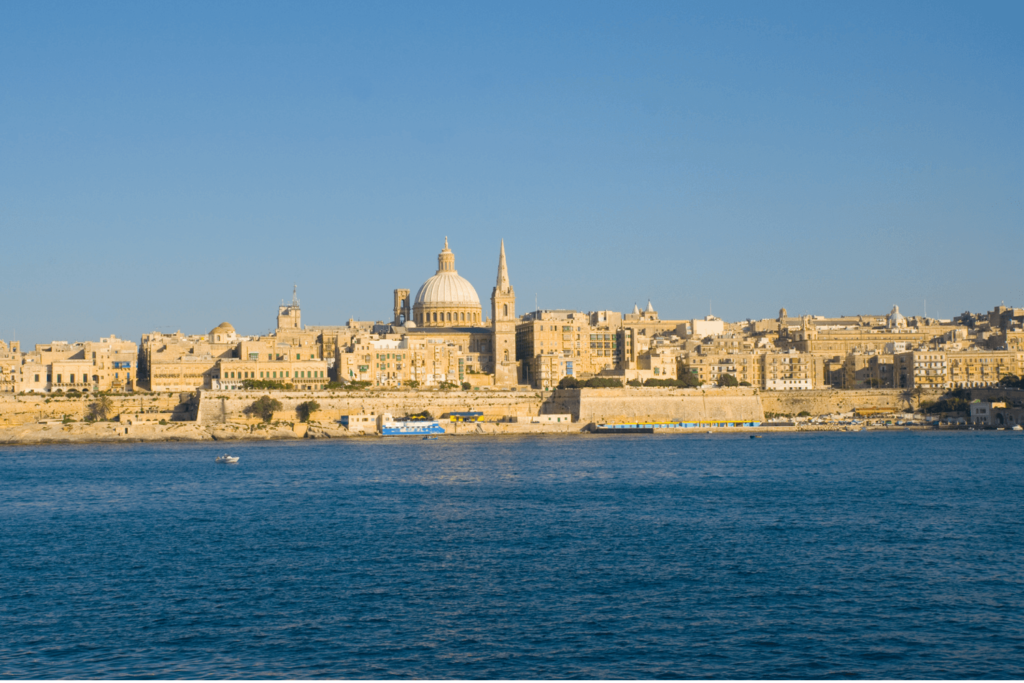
(792, 556)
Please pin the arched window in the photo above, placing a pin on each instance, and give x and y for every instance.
(463, 317)
(506, 315)
(435, 317)
(449, 316)
(506, 355)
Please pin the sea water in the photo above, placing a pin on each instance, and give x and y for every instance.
(817, 555)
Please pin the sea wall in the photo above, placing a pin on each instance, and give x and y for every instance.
(585, 405)
(31, 408)
(218, 407)
(640, 403)
(827, 401)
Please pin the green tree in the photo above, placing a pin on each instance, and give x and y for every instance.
(447, 386)
(727, 380)
(569, 382)
(305, 409)
(1012, 382)
(467, 386)
(265, 384)
(264, 408)
(602, 383)
(918, 392)
(100, 409)
(907, 396)
(413, 384)
(688, 378)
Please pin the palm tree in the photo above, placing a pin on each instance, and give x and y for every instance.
(908, 396)
(918, 392)
(100, 409)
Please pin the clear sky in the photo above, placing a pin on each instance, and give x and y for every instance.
(169, 165)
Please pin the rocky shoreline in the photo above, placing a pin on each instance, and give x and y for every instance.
(114, 432)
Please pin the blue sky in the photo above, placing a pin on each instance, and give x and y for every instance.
(172, 165)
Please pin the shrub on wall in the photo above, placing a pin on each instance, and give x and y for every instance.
(263, 408)
(266, 385)
(305, 409)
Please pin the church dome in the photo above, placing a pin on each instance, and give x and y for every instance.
(223, 328)
(447, 288)
(447, 298)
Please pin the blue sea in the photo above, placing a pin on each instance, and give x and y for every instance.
(842, 555)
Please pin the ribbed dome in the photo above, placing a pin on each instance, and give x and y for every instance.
(447, 287)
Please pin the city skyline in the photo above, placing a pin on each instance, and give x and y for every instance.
(258, 316)
(171, 167)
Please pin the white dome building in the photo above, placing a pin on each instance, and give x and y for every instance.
(447, 299)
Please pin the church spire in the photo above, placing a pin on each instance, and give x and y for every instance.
(503, 284)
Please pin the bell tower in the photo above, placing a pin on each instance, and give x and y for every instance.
(503, 319)
(289, 317)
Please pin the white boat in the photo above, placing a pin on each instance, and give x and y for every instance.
(229, 459)
(1017, 428)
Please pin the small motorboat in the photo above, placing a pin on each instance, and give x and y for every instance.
(228, 459)
(430, 438)
(1016, 428)
(755, 436)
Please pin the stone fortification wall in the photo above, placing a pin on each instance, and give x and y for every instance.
(639, 403)
(18, 410)
(824, 402)
(220, 407)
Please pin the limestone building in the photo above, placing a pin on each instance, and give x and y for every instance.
(107, 365)
(10, 366)
(445, 314)
(551, 345)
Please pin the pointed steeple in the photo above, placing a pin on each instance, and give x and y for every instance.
(636, 310)
(503, 284)
(650, 308)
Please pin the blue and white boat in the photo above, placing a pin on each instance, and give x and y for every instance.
(392, 427)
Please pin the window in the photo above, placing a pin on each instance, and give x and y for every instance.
(506, 314)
